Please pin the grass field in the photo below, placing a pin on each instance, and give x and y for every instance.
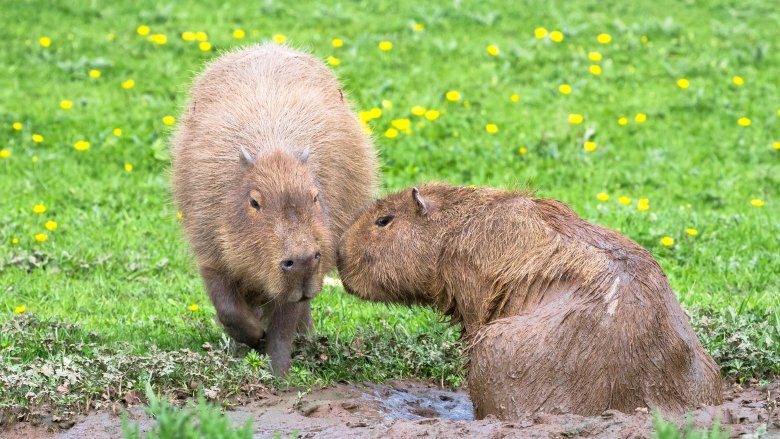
(670, 109)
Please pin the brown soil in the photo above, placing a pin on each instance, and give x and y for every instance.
(410, 409)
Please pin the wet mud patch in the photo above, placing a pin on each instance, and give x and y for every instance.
(411, 409)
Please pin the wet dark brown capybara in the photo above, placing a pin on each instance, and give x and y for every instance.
(560, 315)
(270, 165)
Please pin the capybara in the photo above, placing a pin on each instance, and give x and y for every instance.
(560, 315)
(270, 165)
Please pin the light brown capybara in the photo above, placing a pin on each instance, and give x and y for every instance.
(270, 165)
(560, 315)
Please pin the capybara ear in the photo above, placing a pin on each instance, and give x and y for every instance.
(423, 204)
(247, 161)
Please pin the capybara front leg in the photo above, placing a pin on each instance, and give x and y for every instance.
(281, 331)
(233, 312)
(305, 322)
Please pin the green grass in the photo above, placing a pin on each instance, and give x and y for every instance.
(117, 262)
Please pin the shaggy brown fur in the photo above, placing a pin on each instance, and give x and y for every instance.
(560, 315)
(269, 167)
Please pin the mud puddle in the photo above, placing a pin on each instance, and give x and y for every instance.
(411, 409)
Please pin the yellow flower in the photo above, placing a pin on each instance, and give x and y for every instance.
(204, 46)
(640, 118)
(201, 36)
(604, 38)
(333, 61)
(624, 200)
(556, 36)
(692, 232)
(279, 38)
(94, 73)
(39, 208)
(492, 50)
(386, 104)
(169, 120)
(391, 133)
(401, 124)
(159, 39)
(143, 30)
(188, 36)
(683, 83)
(776, 145)
(540, 33)
(128, 167)
(20, 309)
(595, 69)
(644, 39)
(14, 241)
(594, 56)
(623, 121)
(117, 132)
(194, 307)
(522, 150)
(375, 113)
(453, 96)
(744, 122)
(37, 138)
(667, 241)
(643, 204)
(40, 237)
(50, 225)
(432, 115)
(418, 110)
(564, 88)
(418, 27)
(738, 80)
(4, 153)
(602, 196)
(337, 42)
(127, 85)
(110, 36)
(239, 34)
(66, 104)
(179, 215)
(575, 119)
(81, 145)
(385, 46)
(365, 116)
(491, 128)
(756, 202)
(514, 98)
(44, 41)
(589, 146)
(17, 126)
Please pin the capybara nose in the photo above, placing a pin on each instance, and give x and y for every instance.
(301, 263)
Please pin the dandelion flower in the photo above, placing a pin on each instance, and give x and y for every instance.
(743, 122)
(117, 132)
(667, 241)
(564, 89)
(188, 36)
(643, 204)
(94, 73)
(738, 81)
(418, 27)
(201, 36)
(522, 150)
(375, 113)
(333, 61)
(158, 39)
(169, 120)
(589, 146)
(623, 121)
(4, 153)
(239, 34)
(453, 96)
(179, 215)
(17, 126)
(683, 83)
(128, 167)
(143, 30)
(386, 104)
(594, 56)
(44, 41)
(692, 232)
(401, 124)
(110, 36)
(602, 196)
(66, 104)
(595, 69)
(418, 110)
(432, 115)
(81, 145)
(556, 36)
(385, 46)
(575, 119)
(194, 307)
(776, 145)
(644, 39)
(640, 118)
(756, 202)
(491, 128)
(604, 38)
(514, 98)
(34, 159)
(624, 200)
(279, 38)
(127, 85)
(14, 241)
(204, 46)
(337, 42)
(540, 33)
(50, 225)
(37, 138)
(39, 208)
(492, 50)
(40, 237)
(391, 133)
(20, 309)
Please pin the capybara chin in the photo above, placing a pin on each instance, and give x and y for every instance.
(270, 165)
(560, 315)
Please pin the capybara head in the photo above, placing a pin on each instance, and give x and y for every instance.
(276, 233)
(389, 253)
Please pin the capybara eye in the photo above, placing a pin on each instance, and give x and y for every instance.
(385, 220)
(317, 198)
(254, 204)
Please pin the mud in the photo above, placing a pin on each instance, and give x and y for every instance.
(411, 409)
